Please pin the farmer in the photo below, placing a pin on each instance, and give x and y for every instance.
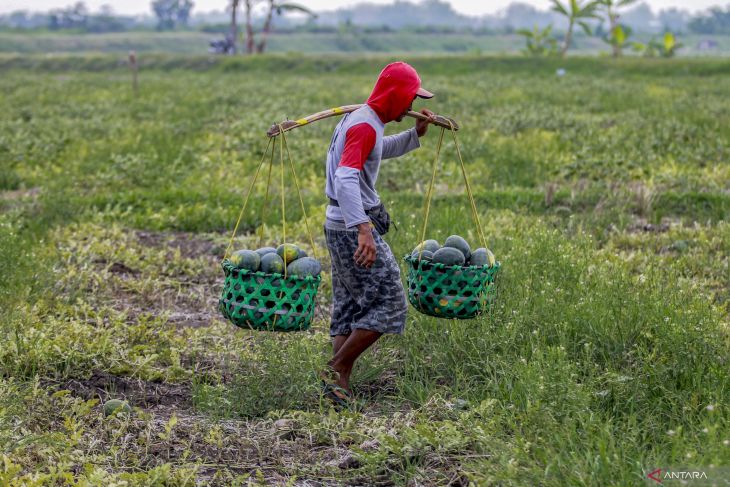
(369, 299)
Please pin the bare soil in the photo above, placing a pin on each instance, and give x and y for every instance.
(141, 393)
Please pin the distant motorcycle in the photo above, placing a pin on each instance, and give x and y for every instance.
(222, 46)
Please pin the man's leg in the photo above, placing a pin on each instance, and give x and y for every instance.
(345, 356)
(338, 341)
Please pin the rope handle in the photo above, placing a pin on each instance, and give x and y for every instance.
(245, 201)
(282, 146)
(429, 193)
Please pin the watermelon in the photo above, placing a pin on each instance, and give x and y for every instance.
(430, 245)
(490, 257)
(306, 266)
(265, 250)
(271, 263)
(479, 257)
(449, 256)
(114, 406)
(288, 252)
(301, 254)
(460, 244)
(424, 255)
(246, 259)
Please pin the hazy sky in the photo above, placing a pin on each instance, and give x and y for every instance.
(466, 6)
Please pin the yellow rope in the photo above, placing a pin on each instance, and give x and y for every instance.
(266, 199)
(281, 189)
(245, 201)
(299, 193)
(429, 193)
(475, 213)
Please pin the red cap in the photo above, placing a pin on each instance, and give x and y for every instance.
(424, 93)
(395, 89)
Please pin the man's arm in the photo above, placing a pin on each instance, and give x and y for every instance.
(359, 142)
(404, 142)
(399, 144)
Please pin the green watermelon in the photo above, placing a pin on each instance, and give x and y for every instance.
(306, 266)
(459, 243)
(114, 406)
(265, 250)
(430, 245)
(301, 254)
(271, 263)
(288, 252)
(246, 259)
(424, 255)
(449, 256)
(479, 257)
(490, 257)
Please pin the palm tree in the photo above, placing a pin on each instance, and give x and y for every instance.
(617, 33)
(234, 24)
(575, 11)
(249, 26)
(279, 8)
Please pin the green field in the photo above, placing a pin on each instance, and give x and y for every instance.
(605, 194)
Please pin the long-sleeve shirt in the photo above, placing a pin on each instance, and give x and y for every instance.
(353, 161)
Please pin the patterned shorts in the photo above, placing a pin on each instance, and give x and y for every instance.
(370, 299)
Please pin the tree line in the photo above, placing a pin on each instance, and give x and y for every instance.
(259, 17)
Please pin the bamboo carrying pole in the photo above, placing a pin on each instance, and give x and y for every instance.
(287, 125)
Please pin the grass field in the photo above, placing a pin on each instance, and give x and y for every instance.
(605, 194)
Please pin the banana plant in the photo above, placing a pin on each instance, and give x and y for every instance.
(576, 11)
(279, 8)
(666, 48)
(611, 8)
(670, 45)
(618, 38)
(539, 42)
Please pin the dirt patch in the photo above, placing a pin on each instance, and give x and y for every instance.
(190, 245)
(648, 228)
(120, 268)
(642, 225)
(103, 386)
(18, 194)
(185, 300)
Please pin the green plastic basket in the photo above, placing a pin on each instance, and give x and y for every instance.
(445, 291)
(268, 302)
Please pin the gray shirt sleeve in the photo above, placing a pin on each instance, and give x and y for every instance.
(347, 187)
(399, 144)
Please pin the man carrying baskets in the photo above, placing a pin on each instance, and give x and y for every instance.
(368, 297)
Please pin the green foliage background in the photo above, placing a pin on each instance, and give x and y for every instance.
(604, 193)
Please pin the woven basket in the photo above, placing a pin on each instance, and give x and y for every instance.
(450, 291)
(268, 302)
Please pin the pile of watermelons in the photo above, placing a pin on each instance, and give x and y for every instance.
(451, 281)
(455, 251)
(270, 288)
(286, 259)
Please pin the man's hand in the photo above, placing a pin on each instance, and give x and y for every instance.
(422, 125)
(366, 251)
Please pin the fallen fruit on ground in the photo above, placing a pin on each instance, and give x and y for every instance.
(116, 406)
